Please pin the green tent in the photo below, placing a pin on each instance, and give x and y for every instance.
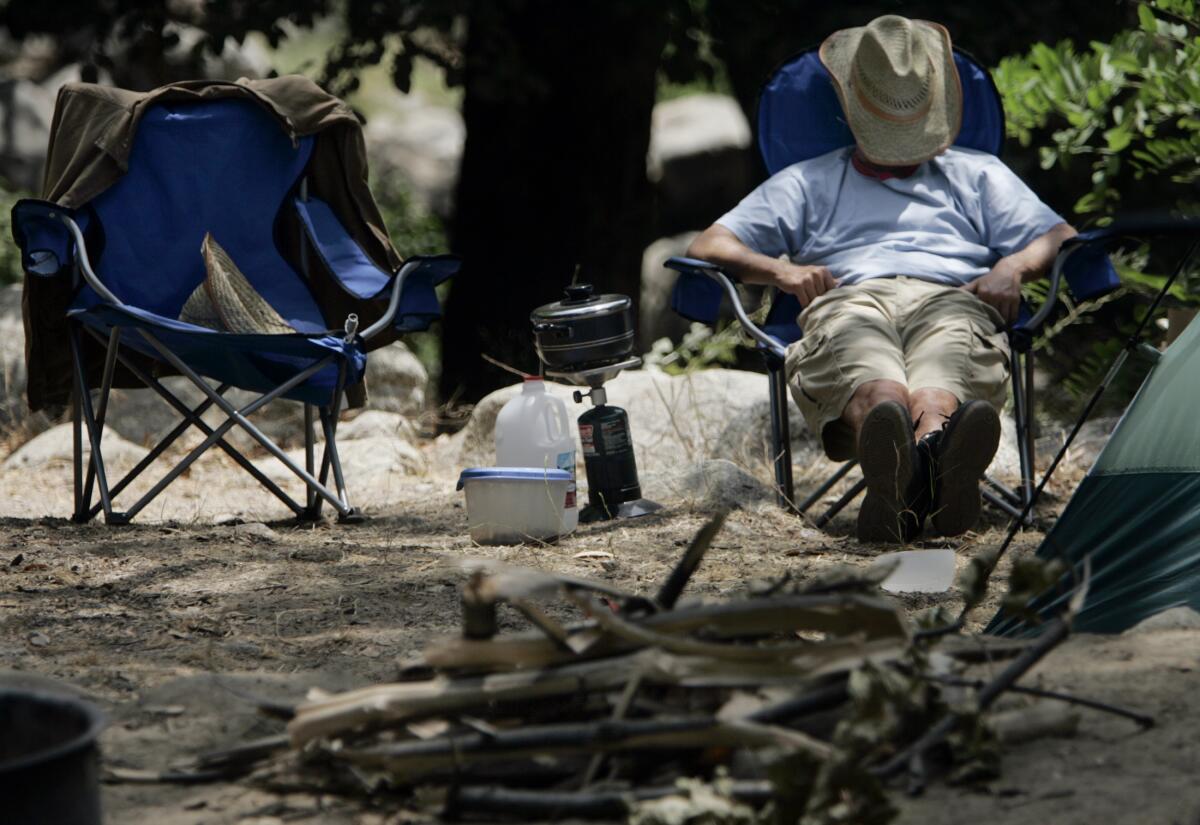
(1137, 513)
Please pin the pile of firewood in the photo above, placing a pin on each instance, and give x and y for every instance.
(787, 705)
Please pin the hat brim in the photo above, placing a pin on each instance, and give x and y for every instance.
(887, 141)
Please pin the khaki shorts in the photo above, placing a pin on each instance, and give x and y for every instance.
(914, 332)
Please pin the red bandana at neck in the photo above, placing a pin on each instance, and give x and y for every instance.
(869, 169)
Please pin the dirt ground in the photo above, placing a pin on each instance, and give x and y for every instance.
(163, 622)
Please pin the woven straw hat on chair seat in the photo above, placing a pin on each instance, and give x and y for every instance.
(226, 301)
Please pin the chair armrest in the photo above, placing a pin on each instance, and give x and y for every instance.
(697, 296)
(695, 266)
(412, 299)
(46, 242)
(413, 304)
(51, 239)
(1083, 260)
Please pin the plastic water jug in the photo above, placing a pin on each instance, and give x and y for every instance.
(534, 430)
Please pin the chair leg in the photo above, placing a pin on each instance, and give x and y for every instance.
(1029, 470)
(1023, 418)
(781, 442)
(313, 503)
(239, 417)
(110, 363)
(96, 459)
(841, 503)
(817, 494)
(351, 515)
(81, 507)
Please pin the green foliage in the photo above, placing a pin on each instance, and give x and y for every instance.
(1031, 577)
(1124, 116)
(413, 231)
(1129, 108)
(701, 348)
(973, 580)
(10, 256)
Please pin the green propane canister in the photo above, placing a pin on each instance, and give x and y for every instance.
(608, 456)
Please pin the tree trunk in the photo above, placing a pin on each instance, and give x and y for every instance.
(557, 111)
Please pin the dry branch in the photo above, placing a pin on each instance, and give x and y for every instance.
(407, 761)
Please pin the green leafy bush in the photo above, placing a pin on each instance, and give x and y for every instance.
(10, 256)
(413, 231)
(1121, 118)
(1129, 108)
(700, 348)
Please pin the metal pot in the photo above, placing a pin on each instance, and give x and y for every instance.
(49, 764)
(583, 330)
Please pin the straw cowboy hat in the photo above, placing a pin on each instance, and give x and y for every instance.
(898, 86)
(226, 301)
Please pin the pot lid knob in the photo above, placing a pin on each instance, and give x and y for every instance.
(578, 293)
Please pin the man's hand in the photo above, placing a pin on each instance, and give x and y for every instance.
(805, 282)
(1000, 289)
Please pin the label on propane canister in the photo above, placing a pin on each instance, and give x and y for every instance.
(616, 435)
(586, 438)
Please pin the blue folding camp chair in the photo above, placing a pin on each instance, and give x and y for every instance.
(800, 117)
(223, 166)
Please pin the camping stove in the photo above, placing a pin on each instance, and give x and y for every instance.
(613, 487)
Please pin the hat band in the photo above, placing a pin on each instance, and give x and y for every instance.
(861, 86)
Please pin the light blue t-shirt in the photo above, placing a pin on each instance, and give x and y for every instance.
(948, 222)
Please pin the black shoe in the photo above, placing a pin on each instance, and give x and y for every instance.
(962, 452)
(893, 470)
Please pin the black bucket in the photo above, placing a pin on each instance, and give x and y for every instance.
(49, 764)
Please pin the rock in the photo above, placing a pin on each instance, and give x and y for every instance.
(695, 125)
(716, 484)
(372, 467)
(26, 109)
(140, 415)
(1006, 465)
(377, 424)
(699, 159)
(1175, 618)
(396, 380)
(12, 358)
(56, 445)
(655, 317)
(421, 142)
(255, 531)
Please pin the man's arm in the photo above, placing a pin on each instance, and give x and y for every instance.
(1001, 287)
(720, 246)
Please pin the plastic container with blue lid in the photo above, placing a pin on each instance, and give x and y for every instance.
(511, 505)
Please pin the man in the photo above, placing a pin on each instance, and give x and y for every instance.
(908, 255)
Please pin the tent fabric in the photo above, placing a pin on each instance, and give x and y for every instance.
(800, 117)
(1136, 516)
(92, 137)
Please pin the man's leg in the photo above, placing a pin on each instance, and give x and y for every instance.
(847, 376)
(869, 396)
(891, 466)
(930, 409)
(953, 353)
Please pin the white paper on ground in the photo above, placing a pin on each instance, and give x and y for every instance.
(919, 571)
